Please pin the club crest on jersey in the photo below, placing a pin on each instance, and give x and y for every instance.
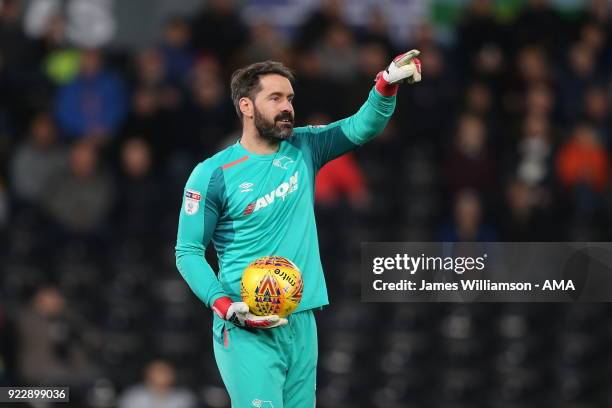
(281, 192)
(192, 201)
(283, 162)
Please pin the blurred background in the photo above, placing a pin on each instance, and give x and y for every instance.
(106, 106)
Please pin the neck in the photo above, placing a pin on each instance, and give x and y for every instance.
(254, 143)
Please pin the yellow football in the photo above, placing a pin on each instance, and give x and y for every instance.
(272, 285)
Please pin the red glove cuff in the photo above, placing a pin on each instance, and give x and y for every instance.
(221, 306)
(383, 87)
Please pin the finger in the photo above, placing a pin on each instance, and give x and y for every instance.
(240, 307)
(258, 324)
(417, 64)
(405, 59)
(263, 321)
(270, 318)
(415, 78)
(281, 322)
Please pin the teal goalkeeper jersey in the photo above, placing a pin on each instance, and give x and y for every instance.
(252, 205)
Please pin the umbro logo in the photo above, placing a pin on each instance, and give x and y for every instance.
(246, 187)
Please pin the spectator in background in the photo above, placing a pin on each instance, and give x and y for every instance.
(531, 67)
(150, 71)
(318, 23)
(377, 31)
(89, 24)
(139, 201)
(539, 100)
(318, 92)
(148, 121)
(531, 207)
(583, 167)
(61, 61)
(210, 116)
(598, 114)
(94, 104)
(596, 11)
(338, 53)
(14, 45)
(55, 345)
(595, 37)
(467, 224)
(533, 161)
(468, 163)
(371, 56)
(426, 101)
(176, 50)
(594, 27)
(158, 390)
(540, 24)
(580, 74)
(528, 214)
(23, 87)
(265, 43)
(340, 180)
(476, 32)
(79, 199)
(37, 160)
(149, 68)
(219, 30)
(479, 101)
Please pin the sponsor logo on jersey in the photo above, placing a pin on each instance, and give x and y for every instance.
(283, 162)
(246, 187)
(281, 192)
(193, 195)
(192, 201)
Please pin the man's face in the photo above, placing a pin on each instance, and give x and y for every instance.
(273, 109)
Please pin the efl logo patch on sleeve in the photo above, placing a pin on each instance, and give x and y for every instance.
(192, 201)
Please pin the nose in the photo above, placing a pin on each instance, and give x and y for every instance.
(287, 107)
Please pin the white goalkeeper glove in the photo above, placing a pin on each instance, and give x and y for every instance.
(405, 67)
(238, 314)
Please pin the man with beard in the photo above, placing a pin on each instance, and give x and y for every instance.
(255, 199)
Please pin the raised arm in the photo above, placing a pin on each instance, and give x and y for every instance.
(330, 141)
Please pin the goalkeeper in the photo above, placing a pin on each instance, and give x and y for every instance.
(256, 198)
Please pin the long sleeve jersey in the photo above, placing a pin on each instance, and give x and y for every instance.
(253, 205)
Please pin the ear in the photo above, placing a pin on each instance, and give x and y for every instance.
(246, 107)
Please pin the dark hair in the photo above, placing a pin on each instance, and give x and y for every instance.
(245, 81)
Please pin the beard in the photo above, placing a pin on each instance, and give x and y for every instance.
(275, 130)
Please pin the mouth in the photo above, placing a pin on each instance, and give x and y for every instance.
(288, 122)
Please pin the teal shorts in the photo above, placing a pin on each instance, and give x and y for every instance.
(269, 368)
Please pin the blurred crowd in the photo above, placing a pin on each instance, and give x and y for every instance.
(507, 138)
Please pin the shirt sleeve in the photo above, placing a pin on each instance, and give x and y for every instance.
(330, 141)
(200, 210)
